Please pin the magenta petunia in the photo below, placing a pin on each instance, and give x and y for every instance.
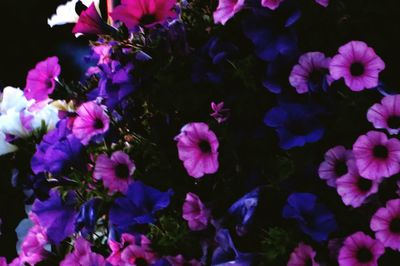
(226, 10)
(386, 114)
(338, 162)
(91, 121)
(354, 189)
(360, 249)
(41, 80)
(131, 251)
(310, 73)
(144, 13)
(302, 255)
(116, 171)
(377, 156)
(358, 65)
(90, 22)
(83, 255)
(323, 3)
(271, 4)
(195, 213)
(198, 149)
(386, 224)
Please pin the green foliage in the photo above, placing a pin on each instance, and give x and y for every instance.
(276, 246)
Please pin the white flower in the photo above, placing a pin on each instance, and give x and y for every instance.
(48, 115)
(66, 13)
(11, 123)
(13, 99)
(5, 147)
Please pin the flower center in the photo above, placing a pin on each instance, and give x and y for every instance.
(122, 171)
(364, 184)
(49, 83)
(297, 128)
(395, 225)
(340, 168)
(141, 262)
(393, 122)
(98, 124)
(147, 19)
(380, 152)
(205, 146)
(357, 69)
(364, 255)
(308, 262)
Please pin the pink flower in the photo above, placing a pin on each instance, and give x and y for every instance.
(386, 114)
(83, 255)
(386, 224)
(3, 261)
(302, 255)
(116, 172)
(227, 9)
(323, 3)
(354, 189)
(90, 22)
(144, 13)
(220, 113)
(338, 162)
(131, 251)
(198, 149)
(358, 65)
(360, 249)
(92, 120)
(33, 245)
(41, 80)
(310, 73)
(271, 4)
(195, 212)
(376, 155)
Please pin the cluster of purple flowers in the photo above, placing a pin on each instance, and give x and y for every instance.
(129, 178)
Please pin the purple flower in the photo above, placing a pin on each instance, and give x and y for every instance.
(355, 189)
(323, 3)
(338, 162)
(56, 215)
(220, 114)
(271, 31)
(360, 249)
(83, 255)
(386, 224)
(57, 151)
(358, 65)
(138, 206)
(144, 13)
(311, 73)
(115, 83)
(92, 121)
(87, 217)
(376, 155)
(295, 124)
(116, 172)
(226, 10)
(41, 80)
(198, 149)
(302, 255)
(195, 212)
(314, 218)
(386, 114)
(90, 22)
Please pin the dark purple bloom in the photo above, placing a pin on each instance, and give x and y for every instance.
(115, 84)
(226, 252)
(295, 124)
(243, 211)
(277, 72)
(313, 218)
(138, 206)
(58, 150)
(56, 215)
(271, 31)
(88, 215)
(212, 60)
(41, 80)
